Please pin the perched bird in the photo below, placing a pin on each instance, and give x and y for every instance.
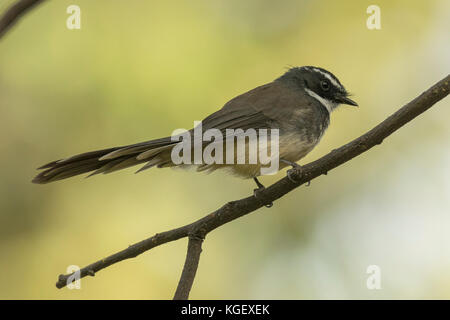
(298, 104)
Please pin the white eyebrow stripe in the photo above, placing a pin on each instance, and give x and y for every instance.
(326, 75)
(330, 105)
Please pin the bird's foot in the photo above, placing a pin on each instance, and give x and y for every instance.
(257, 193)
(296, 168)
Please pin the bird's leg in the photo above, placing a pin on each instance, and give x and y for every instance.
(295, 167)
(258, 184)
(257, 192)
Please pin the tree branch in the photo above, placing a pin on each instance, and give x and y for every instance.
(190, 267)
(12, 15)
(197, 231)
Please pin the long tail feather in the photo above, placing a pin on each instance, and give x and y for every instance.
(100, 161)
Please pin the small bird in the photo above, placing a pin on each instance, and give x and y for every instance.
(298, 104)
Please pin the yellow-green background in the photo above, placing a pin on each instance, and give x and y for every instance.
(139, 69)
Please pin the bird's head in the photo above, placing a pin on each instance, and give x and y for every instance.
(320, 84)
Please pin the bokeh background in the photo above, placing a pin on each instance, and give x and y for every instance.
(139, 69)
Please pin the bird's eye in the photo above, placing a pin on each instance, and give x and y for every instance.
(325, 85)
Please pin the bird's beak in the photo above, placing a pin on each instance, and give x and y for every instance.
(346, 100)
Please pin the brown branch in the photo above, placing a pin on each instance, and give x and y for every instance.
(232, 210)
(12, 15)
(190, 267)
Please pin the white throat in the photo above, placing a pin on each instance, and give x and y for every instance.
(330, 105)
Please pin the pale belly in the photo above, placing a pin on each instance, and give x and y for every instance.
(291, 147)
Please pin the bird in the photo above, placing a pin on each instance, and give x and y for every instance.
(298, 105)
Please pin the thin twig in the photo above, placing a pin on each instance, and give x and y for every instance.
(12, 15)
(190, 267)
(235, 209)
(130, 252)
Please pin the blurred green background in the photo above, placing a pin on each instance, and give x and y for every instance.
(139, 69)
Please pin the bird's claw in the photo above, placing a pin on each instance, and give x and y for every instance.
(295, 167)
(257, 192)
(289, 174)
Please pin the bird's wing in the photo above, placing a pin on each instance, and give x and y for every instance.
(237, 119)
(258, 109)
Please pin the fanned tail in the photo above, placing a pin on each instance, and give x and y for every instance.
(108, 160)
